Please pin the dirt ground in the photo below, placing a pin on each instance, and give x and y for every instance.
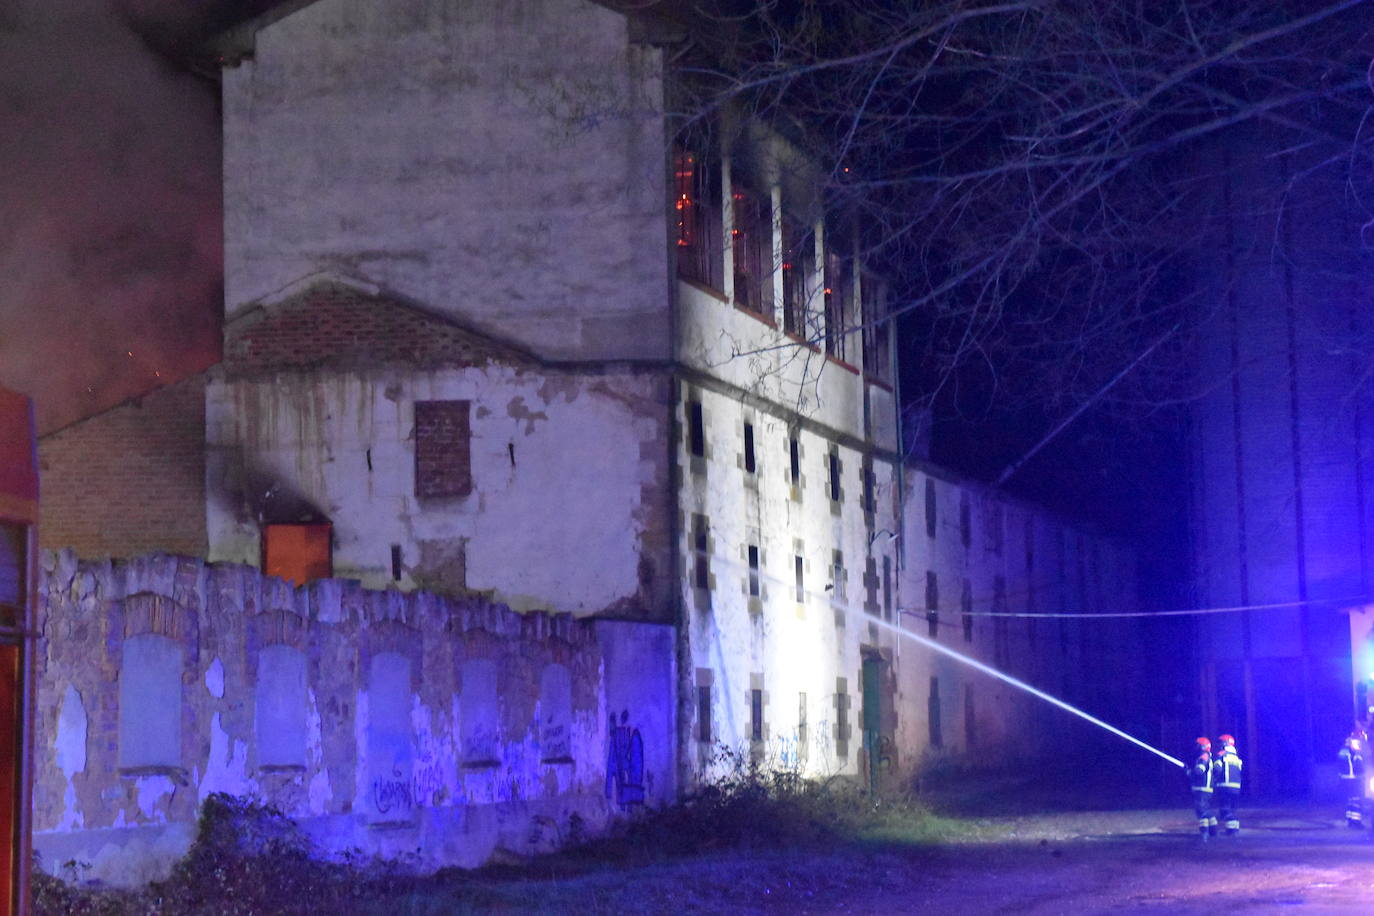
(1096, 862)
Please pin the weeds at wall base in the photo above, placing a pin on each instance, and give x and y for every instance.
(248, 858)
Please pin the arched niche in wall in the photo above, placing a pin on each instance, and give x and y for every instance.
(281, 703)
(480, 728)
(390, 746)
(157, 632)
(555, 715)
(280, 697)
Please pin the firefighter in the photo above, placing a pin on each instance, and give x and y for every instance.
(1352, 779)
(1200, 779)
(1226, 768)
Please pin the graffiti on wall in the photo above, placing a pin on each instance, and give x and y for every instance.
(625, 763)
(397, 792)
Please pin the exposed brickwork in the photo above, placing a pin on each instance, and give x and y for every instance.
(130, 480)
(443, 457)
(331, 325)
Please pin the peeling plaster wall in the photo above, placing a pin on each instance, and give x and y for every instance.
(564, 465)
(397, 758)
(502, 159)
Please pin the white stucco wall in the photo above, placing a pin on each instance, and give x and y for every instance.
(561, 464)
(782, 646)
(499, 158)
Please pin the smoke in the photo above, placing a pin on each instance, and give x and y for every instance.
(110, 227)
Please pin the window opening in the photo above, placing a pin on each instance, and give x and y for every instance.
(701, 577)
(749, 466)
(752, 238)
(696, 429)
(754, 587)
(443, 458)
(697, 195)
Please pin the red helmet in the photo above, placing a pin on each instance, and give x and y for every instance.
(1203, 744)
(1226, 741)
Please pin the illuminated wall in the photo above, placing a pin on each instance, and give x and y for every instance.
(381, 722)
(1281, 448)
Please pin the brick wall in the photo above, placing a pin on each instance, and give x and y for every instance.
(130, 480)
(335, 326)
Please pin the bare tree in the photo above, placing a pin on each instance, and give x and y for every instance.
(1029, 171)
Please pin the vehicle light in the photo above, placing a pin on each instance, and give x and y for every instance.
(1371, 785)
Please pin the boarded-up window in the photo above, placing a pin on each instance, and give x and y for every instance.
(298, 553)
(443, 454)
(281, 707)
(390, 755)
(480, 729)
(150, 703)
(555, 715)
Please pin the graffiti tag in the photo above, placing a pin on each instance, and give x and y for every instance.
(625, 763)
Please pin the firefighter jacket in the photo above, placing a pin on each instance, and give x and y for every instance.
(1200, 773)
(1352, 763)
(1226, 769)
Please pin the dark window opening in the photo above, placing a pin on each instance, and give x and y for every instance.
(833, 462)
(837, 272)
(841, 717)
(932, 602)
(749, 465)
(798, 260)
(966, 606)
(970, 720)
(396, 562)
(798, 564)
(887, 588)
(794, 454)
(877, 330)
(752, 238)
(870, 502)
(701, 574)
(704, 713)
(696, 429)
(443, 457)
(697, 202)
(930, 508)
(754, 588)
(837, 304)
(936, 734)
(756, 714)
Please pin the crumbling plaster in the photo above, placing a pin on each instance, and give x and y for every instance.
(391, 728)
(563, 465)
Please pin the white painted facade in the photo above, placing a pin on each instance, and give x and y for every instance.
(507, 166)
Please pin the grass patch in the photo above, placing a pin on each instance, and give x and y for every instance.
(754, 833)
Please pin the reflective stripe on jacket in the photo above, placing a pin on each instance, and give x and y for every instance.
(1228, 767)
(1200, 776)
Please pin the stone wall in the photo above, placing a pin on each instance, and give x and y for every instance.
(444, 728)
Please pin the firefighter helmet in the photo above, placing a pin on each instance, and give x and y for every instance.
(1226, 741)
(1203, 744)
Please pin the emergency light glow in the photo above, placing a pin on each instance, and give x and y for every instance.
(1022, 685)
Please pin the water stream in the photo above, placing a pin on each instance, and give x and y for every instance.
(1022, 685)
